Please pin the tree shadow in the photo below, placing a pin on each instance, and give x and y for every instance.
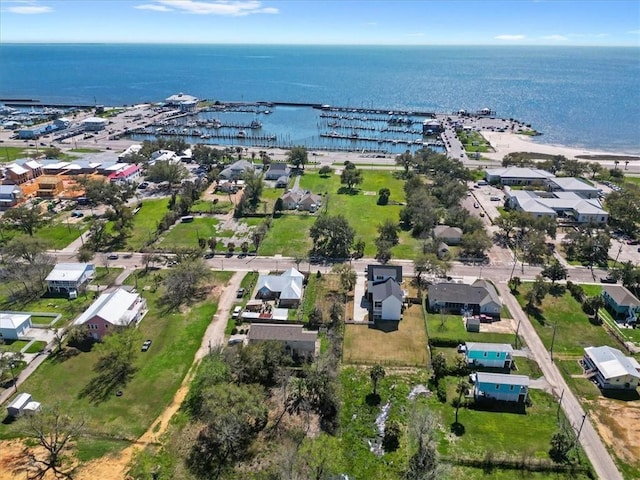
(348, 191)
(458, 429)
(110, 378)
(556, 290)
(61, 356)
(622, 395)
(536, 313)
(372, 399)
(498, 406)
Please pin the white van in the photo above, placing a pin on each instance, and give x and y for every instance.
(236, 312)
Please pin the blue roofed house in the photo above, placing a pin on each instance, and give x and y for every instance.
(10, 196)
(610, 368)
(499, 386)
(622, 304)
(499, 355)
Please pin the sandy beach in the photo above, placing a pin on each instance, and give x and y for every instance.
(505, 143)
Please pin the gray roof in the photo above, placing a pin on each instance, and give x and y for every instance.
(612, 363)
(281, 332)
(571, 183)
(621, 295)
(519, 172)
(8, 189)
(502, 379)
(488, 347)
(445, 231)
(70, 272)
(289, 284)
(480, 293)
(280, 168)
(385, 289)
(393, 271)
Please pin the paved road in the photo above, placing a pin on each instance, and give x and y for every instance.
(589, 439)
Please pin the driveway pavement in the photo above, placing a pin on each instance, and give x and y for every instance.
(360, 304)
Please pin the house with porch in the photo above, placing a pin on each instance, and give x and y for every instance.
(495, 355)
(611, 369)
(68, 277)
(285, 288)
(277, 170)
(500, 386)
(621, 303)
(10, 196)
(112, 311)
(298, 342)
(236, 170)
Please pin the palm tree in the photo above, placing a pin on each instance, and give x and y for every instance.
(377, 373)
(461, 389)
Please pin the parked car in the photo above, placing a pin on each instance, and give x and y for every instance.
(236, 312)
(608, 279)
(113, 256)
(240, 293)
(146, 345)
(475, 205)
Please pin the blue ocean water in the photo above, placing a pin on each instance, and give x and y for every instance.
(576, 96)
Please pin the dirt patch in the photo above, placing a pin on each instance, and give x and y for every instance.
(506, 325)
(618, 423)
(12, 461)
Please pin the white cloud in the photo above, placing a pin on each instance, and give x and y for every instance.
(29, 7)
(155, 8)
(204, 7)
(560, 38)
(510, 37)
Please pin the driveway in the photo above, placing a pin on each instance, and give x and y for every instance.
(360, 303)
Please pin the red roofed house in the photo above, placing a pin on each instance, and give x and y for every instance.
(128, 174)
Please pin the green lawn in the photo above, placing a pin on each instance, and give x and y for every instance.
(36, 347)
(68, 309)
(207, 206)
(361, 210)
(187, 234)
(534, 428)
(106, 276)
(60, 235)
(453, 329)
(146, 222)
(573, 330)
(176, 336)
(13, 345)
(288, 235)
(9, 154)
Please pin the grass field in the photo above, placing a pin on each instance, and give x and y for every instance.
(59, 235)
(187, 234)
(574, 331)
(361, 209)
(406, 346)
(534, 429)
(68, 309)
(207, 206)
(146, 222)
(289, 236)
(9, 154)
(176, 336)
(106, 276)
(453, 329)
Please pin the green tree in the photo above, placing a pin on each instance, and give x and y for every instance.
(439, 365)
(325, 171)
(332, 236)
(538, 291)
(24, 218)
(560, 447)
(347, 276)
(167, 171)
(392, 434)
(351, 177)
(555, 271)
(594, 304)
(462, 388)
(298, 157)
(424, 463)
(183, 281)
(514, 284)
(405, 160)
(388, 231)
(376, 373)
(278, 207)
(383, 196)
(475, 244)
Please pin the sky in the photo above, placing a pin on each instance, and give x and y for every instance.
(324, 22)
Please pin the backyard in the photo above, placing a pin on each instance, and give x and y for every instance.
(401, 343)
(186, 235)
(451, 328)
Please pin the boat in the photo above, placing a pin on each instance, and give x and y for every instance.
(241, 134)
(255, 124)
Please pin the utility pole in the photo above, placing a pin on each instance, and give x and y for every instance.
(553, 338)
(517, 330)
(560, 404)
(584, 417)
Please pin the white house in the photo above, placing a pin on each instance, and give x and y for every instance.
(14, 325)
(126, 175)
(94, 124)
(286, 288)
(385, 296)
(23, 403)
(111, 311)
(66, 277)
(611, 368)
(236, 170)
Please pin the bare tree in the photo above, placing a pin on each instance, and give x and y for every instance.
(54, 430)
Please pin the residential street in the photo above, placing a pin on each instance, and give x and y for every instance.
(589, 439)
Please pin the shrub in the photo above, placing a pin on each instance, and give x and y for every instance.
(234, 330)
(441, 391)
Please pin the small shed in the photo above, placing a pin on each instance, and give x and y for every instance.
(472, 324)
(17, 407)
